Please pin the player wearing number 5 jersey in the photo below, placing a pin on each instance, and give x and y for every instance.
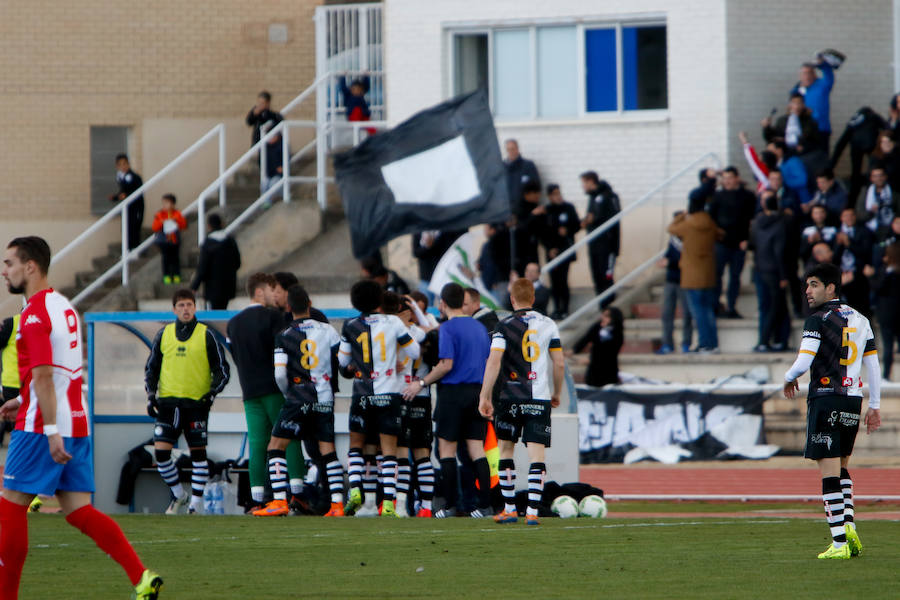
(304, 354)
(837, 342)
(371, 346)
(523, 349)
(50, 449)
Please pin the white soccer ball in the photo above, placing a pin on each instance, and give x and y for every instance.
(592, 506)
(565, 507)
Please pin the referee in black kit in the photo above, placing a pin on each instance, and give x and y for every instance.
(463, 349)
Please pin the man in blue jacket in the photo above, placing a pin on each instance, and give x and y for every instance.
(817, 90)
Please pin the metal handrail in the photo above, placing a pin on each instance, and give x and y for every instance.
(608, 224)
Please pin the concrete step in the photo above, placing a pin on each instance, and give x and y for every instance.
(735, 335)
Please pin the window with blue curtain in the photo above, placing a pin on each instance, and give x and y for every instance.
(601, 80)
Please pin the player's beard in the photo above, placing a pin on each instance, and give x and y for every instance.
(15, 289)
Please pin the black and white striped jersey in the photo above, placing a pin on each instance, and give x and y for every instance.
(526, 339)
(372, 344)
(305, 351)
(837, 336)
(413, 369)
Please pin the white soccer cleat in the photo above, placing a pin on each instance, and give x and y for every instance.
(369, 509)
(400, 506)
(177, 505)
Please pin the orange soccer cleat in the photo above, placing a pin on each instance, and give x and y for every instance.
(275, 508)
(424, 513)
(337, 510)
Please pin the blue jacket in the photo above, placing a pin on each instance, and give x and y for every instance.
(817, 95)
(795, 179)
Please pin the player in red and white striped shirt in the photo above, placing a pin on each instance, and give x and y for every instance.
(50, 449)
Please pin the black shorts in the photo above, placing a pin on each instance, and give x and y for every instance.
(831, 426)
(375, 415)
(529, 419)
(456, 415)
(303, 417)
(186, 417)
(415, 423)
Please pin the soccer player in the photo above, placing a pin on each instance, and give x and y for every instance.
(186, 370)
(837, 342)
(50, 449)
(371, 343)
(304, 353)
(521, 348)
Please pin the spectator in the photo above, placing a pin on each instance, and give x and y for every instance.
(698, 234)
(274, 165)
(831, 195)
(797, 128)
(892, 236)
(355, 104)
(881, 203)
(559, 235)
(861, 134)
(816, 90)
(530, 225)
(428, 247)
(495, 262)
(519, 171)
(261, 117)
(732, 209)
(129, 182)
(673, 295)
(168, 223)
(541, 293)
(767, 239)
(793, 173)
(886, 285)
(605, 337)
(821, 253)
(853, 251)
(816, 233)
(789, 204)
(893, 122)
(217, 270)
(758, 166)
(388, 279)
(603, 205)
(472, 307)
(887, 156)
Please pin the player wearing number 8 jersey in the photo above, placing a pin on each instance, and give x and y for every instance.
(523, 348)
(50, 449)
(837, 341)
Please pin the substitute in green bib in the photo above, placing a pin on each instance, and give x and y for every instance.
(9, 366)
(185, 372)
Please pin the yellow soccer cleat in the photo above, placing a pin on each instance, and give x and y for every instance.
(853, 539)
(36, 504)
(387, 509)
(353, 502)
(842, 553)
(148, 587)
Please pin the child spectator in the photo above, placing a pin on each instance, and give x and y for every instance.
(606, 337)
(355, 104)
(886, 285)
(168, 223)
(673, 295)
(831, 195)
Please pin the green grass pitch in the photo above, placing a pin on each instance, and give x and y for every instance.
(307, 557)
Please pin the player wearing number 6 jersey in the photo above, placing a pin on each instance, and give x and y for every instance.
(50, 449)
(304, 354)
(524, 347)
(837, 342)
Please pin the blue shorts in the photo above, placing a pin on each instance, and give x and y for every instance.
(31, 470)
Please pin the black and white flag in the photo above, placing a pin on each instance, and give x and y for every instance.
(440, 169)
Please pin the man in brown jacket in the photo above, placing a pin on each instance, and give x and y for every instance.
(698, 233)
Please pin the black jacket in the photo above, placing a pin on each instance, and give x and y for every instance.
(732, 210)
(541, 298)
(767, 238)
(560, 215)
(603, 367)
(809, 139)
(488, 318)
(518, 173)
(429, 257)
(861, 133)
(257, 121)
(859, 253)
(603, 203)
(215, 355)
(886, 286)
(251, 334)
(220, 260)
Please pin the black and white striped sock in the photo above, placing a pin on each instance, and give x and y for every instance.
(834, 509)
(389, 477)
(535, 487)
(355, 466)
(508, 484)
(403, 475)
(379, 460)
(370, 480)
(425, 477)
(169, 472)
(278, 474)
(847, 489)
(335, 476)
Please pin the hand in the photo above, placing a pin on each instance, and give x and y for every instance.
(9, 409)
(790, 389)
(58, 449)
(411, 390)
(152, 408)
(815, 237)
(486, 407)
(712, 173)
(562, 232)
(552, 253)
(767, 122)
(742, 136)
(783, 284)
(568, 353)
(807, 207)
(873, 420)
(662, 263)
(843, 239)
(743, 245)
(869, 271)
(540, 210)
(122, 196)
(847, 277)
(554, 401)
(587, 220)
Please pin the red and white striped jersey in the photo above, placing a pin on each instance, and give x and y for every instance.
(50, 334)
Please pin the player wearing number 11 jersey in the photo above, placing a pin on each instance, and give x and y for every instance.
(837, 342)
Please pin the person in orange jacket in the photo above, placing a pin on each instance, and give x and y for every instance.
(168, 223)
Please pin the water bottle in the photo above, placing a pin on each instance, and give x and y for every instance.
(208, 499)
(218, 498)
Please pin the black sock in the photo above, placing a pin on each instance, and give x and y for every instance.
(448, 481)
(847, 489)
(483, 477)
(834, 508)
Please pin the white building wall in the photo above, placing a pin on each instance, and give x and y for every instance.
(632, 153)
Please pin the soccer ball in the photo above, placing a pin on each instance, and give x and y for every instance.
(592, 506)
(565, 507)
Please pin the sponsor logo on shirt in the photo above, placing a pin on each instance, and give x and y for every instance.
(532, 375)
(812, 334)
(825, 380)
(33, 320)
(847, 382)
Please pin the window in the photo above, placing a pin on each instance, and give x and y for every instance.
(106, 143)
(564, 71)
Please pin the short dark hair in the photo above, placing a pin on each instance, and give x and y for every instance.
(453, 295)
(366, 295)
(591, 176)
(285, 280)
(552, 187)
(827, 173)
(731, 169)
(298, 299)
(419, 297)
(121, 156)
(473, 292)
(33, 248)
(877, 167)
(214, 221)
(775, 170)
(369, 263)
(183, 294)
(531, 187)
(391, 303)
(377, 271)
(828, 274)
(170, 198)
(779, 143)
(265, 96)
(798, 94)
(769, 159)
(770, 202)
(258, 280)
